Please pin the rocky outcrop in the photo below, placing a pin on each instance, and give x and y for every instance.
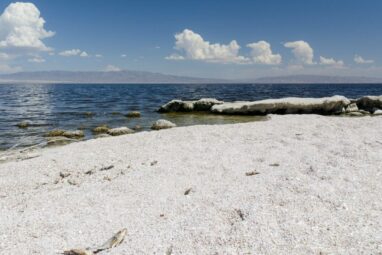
(162, 124)
(120, 131)
(176, 105)
(351, 108)
(205, 104)
(291, 105)
(75, 134)
(370, 103)
(133, 114)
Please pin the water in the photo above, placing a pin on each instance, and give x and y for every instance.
(64, 105)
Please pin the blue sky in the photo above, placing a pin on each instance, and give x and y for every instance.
(270, 37)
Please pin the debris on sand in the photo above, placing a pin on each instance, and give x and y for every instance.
(251, 173)
(105, 168)
(114, 241)
(187, 191)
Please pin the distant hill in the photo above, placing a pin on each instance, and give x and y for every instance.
(125, 76)
(317, 79)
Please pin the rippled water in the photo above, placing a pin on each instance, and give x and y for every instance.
(64, 105)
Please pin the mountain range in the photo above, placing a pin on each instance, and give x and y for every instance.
(128, 76)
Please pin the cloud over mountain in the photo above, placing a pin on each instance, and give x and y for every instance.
(302, 52)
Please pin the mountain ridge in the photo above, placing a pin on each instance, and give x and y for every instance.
(143, 77)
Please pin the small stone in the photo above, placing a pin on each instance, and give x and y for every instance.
(162, 124)
(154, 163)
(275, 164)
(74, 134)
(56, 132)
(64, 174)
(251, 173)
(89, 172)
(23, 124)
(101, 129)
(120, 131)
(187, 191)
(133, 114)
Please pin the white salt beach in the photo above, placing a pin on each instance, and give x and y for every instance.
(293, 184)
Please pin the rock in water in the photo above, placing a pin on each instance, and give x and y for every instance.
(368, 103)
(101, 129)
(177, 106)
(203, 104)
(162, 124)
(74, 134)
(23, 124)
(133, 114)
(290, 105)
(120, 131)
(66, 133)
(55, 132)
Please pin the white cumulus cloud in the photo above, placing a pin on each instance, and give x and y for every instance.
(22, 28)
(261, 53)
(196, 48)
(360, 60)
(123, 55)
(73, 52)
(331, 62)
(84, 54)
(301, 51)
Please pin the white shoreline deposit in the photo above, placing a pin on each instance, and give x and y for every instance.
(317, 191)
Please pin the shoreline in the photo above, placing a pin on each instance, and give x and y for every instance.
(317, 189)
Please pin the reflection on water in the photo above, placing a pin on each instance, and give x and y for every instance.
(66, 106)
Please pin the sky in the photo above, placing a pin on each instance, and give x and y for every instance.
(239, 39)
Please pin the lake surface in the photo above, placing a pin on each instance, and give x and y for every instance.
(64, 106)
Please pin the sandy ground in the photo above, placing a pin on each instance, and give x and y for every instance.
(318, 191)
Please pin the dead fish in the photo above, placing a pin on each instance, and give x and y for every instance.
(78, 252)
(116, 240)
